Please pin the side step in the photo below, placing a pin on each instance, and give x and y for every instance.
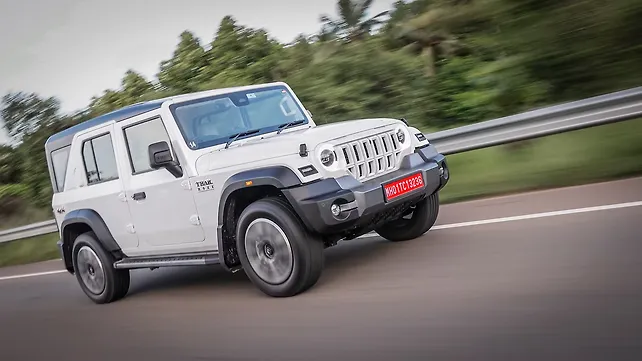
(197, 259)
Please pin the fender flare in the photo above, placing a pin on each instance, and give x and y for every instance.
(92, 219)
(279, 177)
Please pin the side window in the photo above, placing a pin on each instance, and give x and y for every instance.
(139, 137)
(100, 160)
(59, 159)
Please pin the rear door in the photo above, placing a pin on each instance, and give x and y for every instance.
(94, 182)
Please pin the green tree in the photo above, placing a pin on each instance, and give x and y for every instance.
(353, 23)
(24, 113)
(181, 71)
(9, 165)
(357, 83)
(134, 87)
(296, 57)
(438, 30)
(239, 56)
(225, 50)
(580, 47)
(110, 100)
(34, 119)
(402, 11)
(33, 164)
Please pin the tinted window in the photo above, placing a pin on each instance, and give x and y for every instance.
(139, 137)
(100, 161)
(59, 160)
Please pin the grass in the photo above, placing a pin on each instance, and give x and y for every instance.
(25, 216)
(585, 156)
(29, 250)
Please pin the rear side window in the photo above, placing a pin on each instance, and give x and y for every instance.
(100, 160)
(59, 160)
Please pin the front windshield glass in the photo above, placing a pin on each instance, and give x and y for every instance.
(215, 120)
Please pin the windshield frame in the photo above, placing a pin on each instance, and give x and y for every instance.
(223, 140)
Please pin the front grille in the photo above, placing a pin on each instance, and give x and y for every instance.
(370, 157)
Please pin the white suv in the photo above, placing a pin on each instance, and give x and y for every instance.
(240, 177)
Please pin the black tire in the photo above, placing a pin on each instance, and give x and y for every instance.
(421, 219)
(116, 282)
(301, 267)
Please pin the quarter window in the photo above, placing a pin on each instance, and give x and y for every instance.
(100, 160)
(139, 137)
(59, 160)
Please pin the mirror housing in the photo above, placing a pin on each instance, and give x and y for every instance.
(160, 156)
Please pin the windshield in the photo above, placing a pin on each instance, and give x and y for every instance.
(215, 120)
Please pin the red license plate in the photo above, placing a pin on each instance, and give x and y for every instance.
(403, 186)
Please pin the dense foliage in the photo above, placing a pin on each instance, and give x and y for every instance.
(438, 63)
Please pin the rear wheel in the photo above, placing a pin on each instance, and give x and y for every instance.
(95, 272)
(420, 218)
(277, 253)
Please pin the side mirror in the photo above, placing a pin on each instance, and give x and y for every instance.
(160, 156)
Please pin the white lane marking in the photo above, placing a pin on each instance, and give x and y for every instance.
(529, 216)
(444, 226)
(541, 215)
(32, 275)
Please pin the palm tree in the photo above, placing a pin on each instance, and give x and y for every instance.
(429, 35)
(353, 23)
(433, 33)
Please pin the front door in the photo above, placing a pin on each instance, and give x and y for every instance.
(162, 206)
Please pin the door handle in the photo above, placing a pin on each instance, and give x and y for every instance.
(139, 196)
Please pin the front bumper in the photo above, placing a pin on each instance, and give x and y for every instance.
(364, 205)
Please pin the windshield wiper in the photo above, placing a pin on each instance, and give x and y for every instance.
(286, 126)
(238, 135)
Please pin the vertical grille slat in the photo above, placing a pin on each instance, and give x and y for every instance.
(347, 157)
(370, 157)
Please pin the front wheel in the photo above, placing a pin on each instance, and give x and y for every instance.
(277, 253)
(95, 272)
(420, 219)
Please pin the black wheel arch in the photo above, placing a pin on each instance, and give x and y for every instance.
(80, 221)
(259, 182)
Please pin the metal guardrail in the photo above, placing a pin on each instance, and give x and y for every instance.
(31, 230)
(600, 110)
(590, 112)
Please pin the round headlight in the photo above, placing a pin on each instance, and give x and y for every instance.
(327, 157)
(401, 136)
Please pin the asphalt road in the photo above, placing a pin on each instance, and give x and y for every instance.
(567, 286)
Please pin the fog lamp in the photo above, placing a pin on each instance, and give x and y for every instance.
(335, 209)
